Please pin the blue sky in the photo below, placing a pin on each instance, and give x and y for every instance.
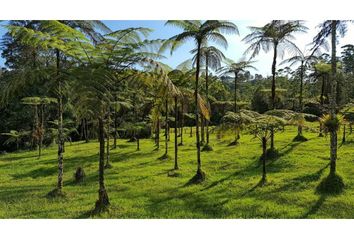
(236, 46)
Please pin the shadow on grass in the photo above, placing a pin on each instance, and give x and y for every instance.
(331, 185)
(314, 208)
(14, 194)
(26, 157)
(312, 176)
(164, 157)
(259, 184)
(198, 178)
(275, 155)
(37, 173)
(347, 142)
(302, 181)
(250, 167)
(191, 202)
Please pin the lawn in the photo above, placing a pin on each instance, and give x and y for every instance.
(139, 185)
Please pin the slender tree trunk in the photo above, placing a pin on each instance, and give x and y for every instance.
(86, 130)
(322, 90)
(37, 130)
(321, 130)
(191, 132)
(333, 132)
(235, 93)
(166, 128)
(168, 131)
(202, 132)
(301, 85)
(264, 158)
(237, 136)
(350, 128)
(176, 137)
(107, 136)
(299, 129)
(103, 200)
(60, 127)
(182, 122)
(199, 170)
(272, 139)
(158, 133)
(41, 131)
(115, 136)
(137, 143)
(344, 134)
(207, 96)
(273, 74)
(82, 130)
(273, 92)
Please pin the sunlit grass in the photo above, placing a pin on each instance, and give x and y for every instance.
(139, 186)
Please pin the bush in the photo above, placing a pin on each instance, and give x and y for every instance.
(311, 117)
(314, 108)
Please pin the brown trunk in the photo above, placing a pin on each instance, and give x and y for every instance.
(41, 132)
(273, 73)
(301, 85)
(272, 138)
(82, 131)
(60, 127)
(350, 128)
(199, 169)
(182, 122)
(115, 135)
(273, 91)
(103, 200)
(202, 133)
(237, 136)
(176, 138)
(344, 134)
(264, 158)
(333, 132)
(166, 128)
(207, 97)
(107, 136)
(158, 133)
(299, 128)
(322, 90)
(37, 130)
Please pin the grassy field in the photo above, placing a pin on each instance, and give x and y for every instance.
(139, 186)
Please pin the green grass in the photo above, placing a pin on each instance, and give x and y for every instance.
(140, 186)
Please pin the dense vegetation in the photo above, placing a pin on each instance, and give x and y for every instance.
(79, 90)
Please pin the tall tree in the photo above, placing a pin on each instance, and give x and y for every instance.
(236, 68)
(332, 28)
(210, 57)
(306, 62)
(276, 35)
(65, 42)
(200, 32)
